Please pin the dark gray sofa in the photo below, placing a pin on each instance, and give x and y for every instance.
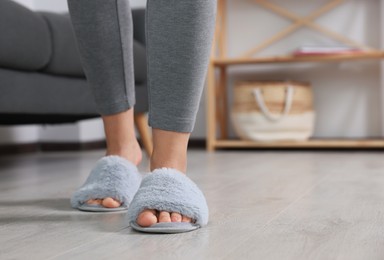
(41, 78)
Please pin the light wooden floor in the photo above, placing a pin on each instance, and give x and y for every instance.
(263, 205)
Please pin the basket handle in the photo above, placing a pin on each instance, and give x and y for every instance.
(287, 107)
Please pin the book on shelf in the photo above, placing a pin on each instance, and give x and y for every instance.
(326, 50)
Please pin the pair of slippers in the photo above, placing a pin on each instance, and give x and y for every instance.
(165, 189)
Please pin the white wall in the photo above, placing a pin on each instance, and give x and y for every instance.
(347, 95)
(51, 5)
(381, 95)
(19, 134)
(61, 5)
(27, 3)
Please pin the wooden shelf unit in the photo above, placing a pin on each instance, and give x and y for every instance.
(217, 107)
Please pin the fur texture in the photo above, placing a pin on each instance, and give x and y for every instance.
(170, 190)
(112, 176)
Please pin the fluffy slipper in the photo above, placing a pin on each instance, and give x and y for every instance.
(112, 176)
(169, 190)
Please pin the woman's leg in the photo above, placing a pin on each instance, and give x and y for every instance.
(104, 33)
(179, 39)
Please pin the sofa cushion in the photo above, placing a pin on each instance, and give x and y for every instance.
(24, 92)
(45, 42)
(65, 59)
(42, 93)
(25, 38)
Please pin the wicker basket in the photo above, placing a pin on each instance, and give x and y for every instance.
(271, 111)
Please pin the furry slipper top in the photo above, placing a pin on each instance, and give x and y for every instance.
(112, 176)
(169, 190)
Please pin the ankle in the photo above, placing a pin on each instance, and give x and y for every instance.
(176, 161)
(169, 150)
(120, 136)
(132, 152)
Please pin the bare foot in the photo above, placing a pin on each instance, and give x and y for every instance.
(170, 150)
(150, 216)
(134, 155)
(121, 141)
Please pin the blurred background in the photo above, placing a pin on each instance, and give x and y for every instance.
(347, 95)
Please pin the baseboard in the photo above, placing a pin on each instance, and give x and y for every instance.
(75, 146)
(71, 146)
(13, 149)
(19, 148)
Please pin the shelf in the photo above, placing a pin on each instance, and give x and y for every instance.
(218, 76)
(312, 143)
(287, 59)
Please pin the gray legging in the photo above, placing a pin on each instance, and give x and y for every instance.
(179, 36)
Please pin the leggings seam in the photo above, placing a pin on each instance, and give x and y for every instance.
(122, 51)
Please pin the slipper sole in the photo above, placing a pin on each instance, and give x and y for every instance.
(99, 208)
(166, 227)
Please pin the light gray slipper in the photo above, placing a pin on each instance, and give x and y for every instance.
(112, 176)
(169, 190)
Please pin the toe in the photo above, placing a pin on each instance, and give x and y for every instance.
(164, 216)
(94, 202)
(147, 218)
(176, 217)
(186, 219)
(110, 203)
